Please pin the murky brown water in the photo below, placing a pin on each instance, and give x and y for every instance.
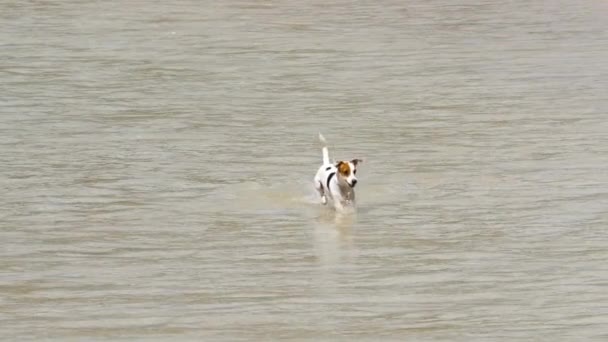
(157, 160)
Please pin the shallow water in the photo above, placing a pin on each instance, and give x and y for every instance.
(157, 162)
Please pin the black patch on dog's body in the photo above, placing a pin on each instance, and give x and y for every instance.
(331, 175)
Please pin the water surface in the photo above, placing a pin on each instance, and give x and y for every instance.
(157, 161)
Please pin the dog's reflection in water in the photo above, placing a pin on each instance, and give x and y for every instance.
(342, 221)
(333, 236)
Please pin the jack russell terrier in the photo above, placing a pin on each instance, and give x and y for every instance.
(336, 180)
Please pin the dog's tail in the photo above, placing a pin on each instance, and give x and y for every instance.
(325, 151)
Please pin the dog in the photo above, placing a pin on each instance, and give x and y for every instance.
(336, 181)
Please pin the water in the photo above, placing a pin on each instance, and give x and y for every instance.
(157, 161)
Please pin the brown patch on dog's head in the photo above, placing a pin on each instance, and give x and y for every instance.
(343, 168)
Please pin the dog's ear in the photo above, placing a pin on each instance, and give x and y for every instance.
(356, 161)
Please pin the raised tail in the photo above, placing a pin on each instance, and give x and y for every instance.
(325, 151)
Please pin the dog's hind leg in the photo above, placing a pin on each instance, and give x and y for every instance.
(321, 191)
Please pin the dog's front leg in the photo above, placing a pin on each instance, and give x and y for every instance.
(338, 205)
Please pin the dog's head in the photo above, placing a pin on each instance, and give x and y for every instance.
(347, 171)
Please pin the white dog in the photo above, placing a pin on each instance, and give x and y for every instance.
(336, 181)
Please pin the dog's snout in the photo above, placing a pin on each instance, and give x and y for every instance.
(354, 182)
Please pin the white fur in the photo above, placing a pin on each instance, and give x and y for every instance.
(340, 188)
